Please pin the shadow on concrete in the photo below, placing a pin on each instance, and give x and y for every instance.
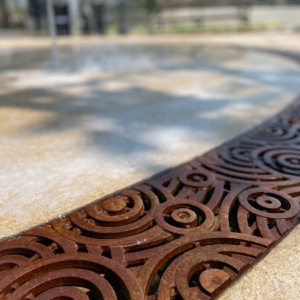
(133, 115)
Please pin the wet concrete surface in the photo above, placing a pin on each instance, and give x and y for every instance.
(121, 114)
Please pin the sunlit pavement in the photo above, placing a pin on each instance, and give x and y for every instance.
(117, 110)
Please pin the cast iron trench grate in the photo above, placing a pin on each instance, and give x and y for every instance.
(186, 234)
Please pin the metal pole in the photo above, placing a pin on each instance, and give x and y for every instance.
(123, 26)
(89, 12)
(74, 16)
(52, 31)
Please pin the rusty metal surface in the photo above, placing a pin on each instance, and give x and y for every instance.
(186, 234)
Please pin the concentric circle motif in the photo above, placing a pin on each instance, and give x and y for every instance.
(205, 271)
(269, 203)
(273, 133)
(284, 160)
(119, 216)
(184, 217)
(197, 178)
(237, 164)
(114, 206)
(58, 277)
(122, 219)
(118, 210)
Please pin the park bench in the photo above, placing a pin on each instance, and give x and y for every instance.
(197, 13)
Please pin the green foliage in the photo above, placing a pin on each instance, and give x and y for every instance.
(151, 6)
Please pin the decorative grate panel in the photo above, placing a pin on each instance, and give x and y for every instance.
(186, 234)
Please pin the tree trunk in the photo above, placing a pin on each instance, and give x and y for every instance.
(4, 15)
(74, 13)
(123, 26)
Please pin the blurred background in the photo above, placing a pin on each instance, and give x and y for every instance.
(149, 16)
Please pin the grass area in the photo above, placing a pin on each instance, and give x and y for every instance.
(206, 28)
